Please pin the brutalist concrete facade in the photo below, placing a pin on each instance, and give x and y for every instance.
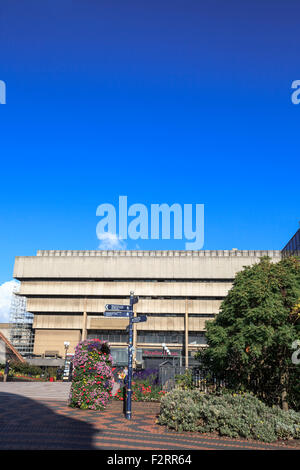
(178, 291)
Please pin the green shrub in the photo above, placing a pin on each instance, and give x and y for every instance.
(185, 381)
(232, 415)
(24, 368)
(51, 371)
(179, 410)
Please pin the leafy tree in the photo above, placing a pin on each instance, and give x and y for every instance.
(250, 341)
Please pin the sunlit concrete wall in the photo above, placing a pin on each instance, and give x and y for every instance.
(67, 290)
(135, 265)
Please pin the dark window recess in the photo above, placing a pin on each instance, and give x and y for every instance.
(112, 336)
(159, 337)
(191, 315)
(148, 337)
(105, 279)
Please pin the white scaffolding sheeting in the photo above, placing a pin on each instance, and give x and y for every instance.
(21, 332)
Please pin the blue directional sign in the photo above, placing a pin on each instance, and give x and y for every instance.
(117, 307)
(117, 314)
(139, 319)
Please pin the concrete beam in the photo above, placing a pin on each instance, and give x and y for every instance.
(180, 266)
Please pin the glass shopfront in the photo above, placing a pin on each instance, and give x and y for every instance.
(292, 248)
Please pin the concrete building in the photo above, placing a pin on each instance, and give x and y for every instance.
(178, 291)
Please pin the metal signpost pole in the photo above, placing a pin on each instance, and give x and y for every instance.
(117, 311)
(133, 300)
(129, 376)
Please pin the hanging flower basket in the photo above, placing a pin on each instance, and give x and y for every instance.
(92, 380)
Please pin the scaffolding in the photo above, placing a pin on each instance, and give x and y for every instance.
(21, 331)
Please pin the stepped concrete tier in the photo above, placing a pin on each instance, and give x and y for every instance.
(179, 291)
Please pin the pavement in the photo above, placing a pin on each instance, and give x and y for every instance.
(35, 416)
(38, 390)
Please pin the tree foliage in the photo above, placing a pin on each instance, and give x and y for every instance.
(250, 341)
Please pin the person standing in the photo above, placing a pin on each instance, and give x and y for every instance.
(125, 375)
(6, 370)
(71, 371)
(121, 377)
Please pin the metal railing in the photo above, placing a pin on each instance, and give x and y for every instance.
(194, 377)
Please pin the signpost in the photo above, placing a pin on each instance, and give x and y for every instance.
(117, 314)
(114, 310)
(117, 307)
(133, 300)
(139, 319)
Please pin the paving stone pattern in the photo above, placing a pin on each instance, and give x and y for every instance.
(36, 417)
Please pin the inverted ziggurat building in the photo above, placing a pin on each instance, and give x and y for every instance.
(179, 291)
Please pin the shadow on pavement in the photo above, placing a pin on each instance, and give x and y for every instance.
(27, 424)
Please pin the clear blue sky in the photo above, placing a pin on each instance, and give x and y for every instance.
(173, 101)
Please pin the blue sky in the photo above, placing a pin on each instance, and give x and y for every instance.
(165, 102)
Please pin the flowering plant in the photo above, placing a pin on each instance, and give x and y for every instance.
(142, 392)
(92, 380)
(147, 376)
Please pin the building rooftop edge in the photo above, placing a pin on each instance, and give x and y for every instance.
(160, 253)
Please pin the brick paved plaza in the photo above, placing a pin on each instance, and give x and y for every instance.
(35, 416)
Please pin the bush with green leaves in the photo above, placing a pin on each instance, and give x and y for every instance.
(24, 368)
(234, 415)
(250, 340)
(185, 380)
